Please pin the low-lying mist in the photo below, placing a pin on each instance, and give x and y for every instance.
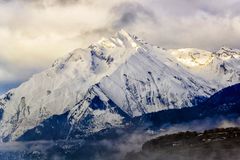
(108, 149)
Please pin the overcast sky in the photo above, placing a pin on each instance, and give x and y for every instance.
(35, 32)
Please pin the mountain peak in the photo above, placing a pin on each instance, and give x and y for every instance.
(192, 57)
(228, 53)
(123, 32)
(101, 52)
(119, 39)
(228, 49)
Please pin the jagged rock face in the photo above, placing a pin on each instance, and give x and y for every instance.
(94, 113)
(113, 79)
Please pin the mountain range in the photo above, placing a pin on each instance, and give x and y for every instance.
(220, 110)
(113, 82)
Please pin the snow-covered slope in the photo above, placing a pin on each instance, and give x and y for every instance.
(221, 67)
(114, 78)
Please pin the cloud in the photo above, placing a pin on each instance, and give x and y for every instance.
(35, 32)
(128, 13)
(46, 3)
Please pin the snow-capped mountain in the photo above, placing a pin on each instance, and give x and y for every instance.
(115, 78)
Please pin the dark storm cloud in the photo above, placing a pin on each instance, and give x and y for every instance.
(128, 13)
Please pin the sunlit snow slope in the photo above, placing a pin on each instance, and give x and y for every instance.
(116, 78)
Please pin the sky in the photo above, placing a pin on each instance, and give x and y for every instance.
(36, 32)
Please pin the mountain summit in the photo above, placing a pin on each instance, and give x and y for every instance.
(115, 78)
